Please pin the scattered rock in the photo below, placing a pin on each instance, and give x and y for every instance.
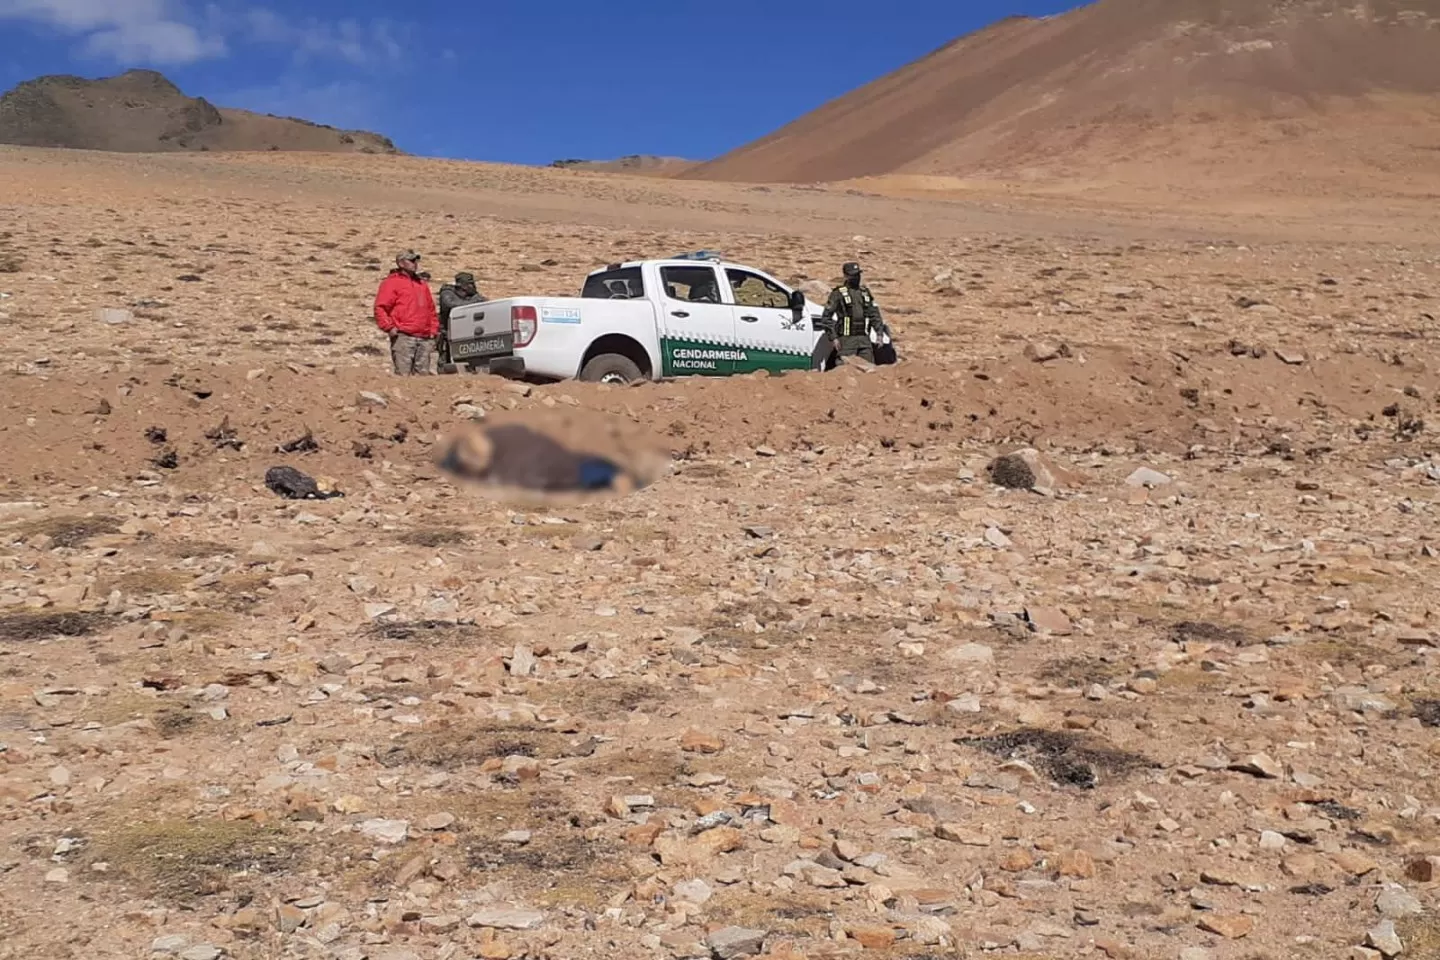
(1229, 926)
(506, 918)
(1145, 477)
(730, 942)
(385, 831)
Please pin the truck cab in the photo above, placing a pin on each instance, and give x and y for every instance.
(714, 318)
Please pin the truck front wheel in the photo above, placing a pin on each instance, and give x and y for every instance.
(610, 368)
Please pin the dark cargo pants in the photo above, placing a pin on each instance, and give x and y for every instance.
(857, 346)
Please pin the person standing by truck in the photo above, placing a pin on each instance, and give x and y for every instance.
(855, 313)
(405, 311)
(461, 292)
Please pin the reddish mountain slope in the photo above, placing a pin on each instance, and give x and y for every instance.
(1090, 86)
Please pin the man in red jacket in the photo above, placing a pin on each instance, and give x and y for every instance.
(405, 309)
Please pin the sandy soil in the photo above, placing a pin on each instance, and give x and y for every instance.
(825, 690)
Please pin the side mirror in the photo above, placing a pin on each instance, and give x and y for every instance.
(797, 301)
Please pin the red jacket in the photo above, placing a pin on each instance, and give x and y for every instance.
(403, 304)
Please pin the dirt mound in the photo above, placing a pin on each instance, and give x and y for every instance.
(1133, 81)
(644, 165)
(142, 111)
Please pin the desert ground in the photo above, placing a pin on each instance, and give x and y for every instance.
(827, 689)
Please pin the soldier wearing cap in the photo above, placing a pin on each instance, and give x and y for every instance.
(405, 311)
(461, 292)
(855, 314)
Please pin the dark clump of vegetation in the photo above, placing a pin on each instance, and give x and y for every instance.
(68, 532)
(1205, 632)
(1064, 757)
(184, 860)
(42, 624)
(433, 537)
(1426, 711)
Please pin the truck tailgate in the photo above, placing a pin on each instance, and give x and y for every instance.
(479, 331)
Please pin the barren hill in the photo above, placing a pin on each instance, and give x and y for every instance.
(1331, 85)
(142, 111)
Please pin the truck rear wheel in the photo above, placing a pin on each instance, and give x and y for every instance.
(610, 368)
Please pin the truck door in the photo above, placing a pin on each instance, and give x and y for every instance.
(697, 327)
(764, 325)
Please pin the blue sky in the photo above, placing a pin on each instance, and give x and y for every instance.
(510, 80)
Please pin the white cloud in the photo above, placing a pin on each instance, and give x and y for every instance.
(127, 31)
(308, 38)
(170, 32)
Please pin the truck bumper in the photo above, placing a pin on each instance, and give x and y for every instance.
(507, 366)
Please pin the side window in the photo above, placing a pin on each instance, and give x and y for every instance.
(690, 284)
(755, 291)
(623, 284)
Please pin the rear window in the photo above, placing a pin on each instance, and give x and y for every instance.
(622, 284)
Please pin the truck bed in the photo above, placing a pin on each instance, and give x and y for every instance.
(563, 328)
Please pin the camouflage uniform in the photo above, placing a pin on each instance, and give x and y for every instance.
(855, 313)
(461, 292)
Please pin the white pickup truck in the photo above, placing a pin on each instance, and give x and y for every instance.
(691, 315)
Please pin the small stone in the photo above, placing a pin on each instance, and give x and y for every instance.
(201, 951)
(385, 831)
(506, 918)
(169, 944)
(1395, 902)
(1229, 926)
(1048, 620)
(971, 653)
(730, 942)
(1077, 864)
(367, 398)
(696, 741)
(1292, 357)
(58, 875)
(1017, 861)
(522, 661)
(1383, 937)
(958, 833)
(437, 821)
(996, 538)
(1354, 863)
(1259, 765)
(965, 703)
(1270, 840)
(1043, 351)
(1145, 477)
(289, 918)
(693, 891)
(872, 938)
(495, 949)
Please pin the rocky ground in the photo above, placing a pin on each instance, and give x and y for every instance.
(839, 685)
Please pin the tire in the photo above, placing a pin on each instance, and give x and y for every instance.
(611, 368)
